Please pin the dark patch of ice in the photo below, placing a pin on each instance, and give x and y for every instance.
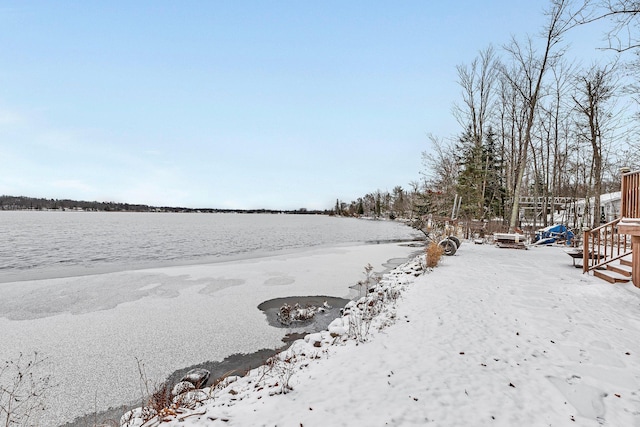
(236, 364)
(319, 322)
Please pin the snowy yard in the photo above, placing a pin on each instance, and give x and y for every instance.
(493, 337)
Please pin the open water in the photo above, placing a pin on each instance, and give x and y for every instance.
(49, 244)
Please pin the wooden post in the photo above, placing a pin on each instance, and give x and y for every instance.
(624, 188)
(630, 218)
(585, 250)
(632, 226)
(635, 260)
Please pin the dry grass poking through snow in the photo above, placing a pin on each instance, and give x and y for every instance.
(23, 384)
(433, 254)
(375, 310)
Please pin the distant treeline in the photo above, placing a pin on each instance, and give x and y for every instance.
(32, 203)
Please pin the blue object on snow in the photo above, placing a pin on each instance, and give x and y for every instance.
(552, 234)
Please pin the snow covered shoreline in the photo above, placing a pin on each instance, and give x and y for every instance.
(93, 328)
(490, 337)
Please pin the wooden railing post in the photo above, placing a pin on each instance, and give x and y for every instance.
(607, 243)
(599, 249)
(585, 249)
(623, 193)
(632, 226)
(635, 260)
(630, 195)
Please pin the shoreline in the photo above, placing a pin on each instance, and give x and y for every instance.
(28, 275)
(119, 317)
(236, 364)
(240, 363)
(476, 333)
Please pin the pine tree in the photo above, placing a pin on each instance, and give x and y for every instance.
(471, 178)
(495, 191)
(480, 181)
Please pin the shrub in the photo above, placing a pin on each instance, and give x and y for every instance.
(433, 254)
(23, 385)
(370, 279)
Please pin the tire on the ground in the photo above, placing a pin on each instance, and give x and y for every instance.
(456, 241)
(449, 247)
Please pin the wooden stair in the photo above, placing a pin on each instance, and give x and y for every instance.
(616, 273)
(618, 239)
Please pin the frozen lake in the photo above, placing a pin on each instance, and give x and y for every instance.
(95, 291)
(38, 244)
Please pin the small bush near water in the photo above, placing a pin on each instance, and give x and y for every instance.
(23, 384)
(433, 254)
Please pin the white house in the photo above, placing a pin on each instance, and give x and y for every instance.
(580, 213)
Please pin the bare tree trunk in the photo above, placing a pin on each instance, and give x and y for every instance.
(593, 91)
(533, 69)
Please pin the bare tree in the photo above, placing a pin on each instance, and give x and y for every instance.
(477, 82)
(623, 14)
(399, 202)
(439, 180)
(441, 168)
(511, 119)
(532, 68)
(413, 198)
(551, 154)
(594, 91)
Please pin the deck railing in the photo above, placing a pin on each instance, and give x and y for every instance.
(603, 245)
(630, 195)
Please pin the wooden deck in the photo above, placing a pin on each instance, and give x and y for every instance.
(627, 225)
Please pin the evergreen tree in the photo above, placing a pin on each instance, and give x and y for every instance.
(480, 181)
(471, 178)
(495, 191)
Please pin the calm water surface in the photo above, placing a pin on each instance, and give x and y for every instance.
(38, 244)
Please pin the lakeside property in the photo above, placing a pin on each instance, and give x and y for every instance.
(492, 336)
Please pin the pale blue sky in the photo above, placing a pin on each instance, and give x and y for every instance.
(233, 104)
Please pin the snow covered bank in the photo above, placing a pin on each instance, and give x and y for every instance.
(93, 327)
(492, 336)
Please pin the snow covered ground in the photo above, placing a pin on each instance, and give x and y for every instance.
(92, 328)
(491, 337)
